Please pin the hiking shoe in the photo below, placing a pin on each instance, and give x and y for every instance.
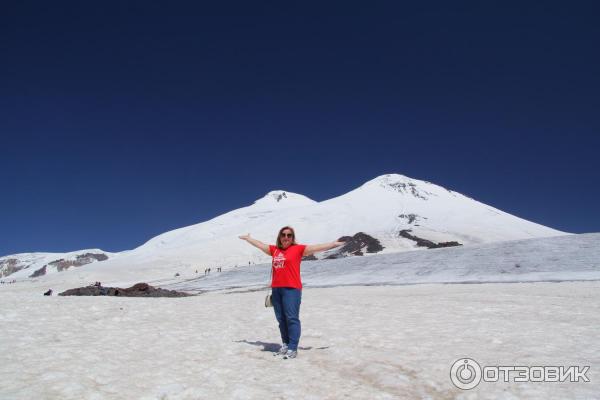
(282, 351)
(290, 354)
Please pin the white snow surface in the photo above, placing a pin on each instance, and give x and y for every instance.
(381, 207)
(380, 342)
(394, 339)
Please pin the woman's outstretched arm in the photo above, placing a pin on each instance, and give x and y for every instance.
(256, 243)
(315, 248)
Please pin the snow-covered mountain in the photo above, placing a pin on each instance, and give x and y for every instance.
(38, 264)
(390, 213)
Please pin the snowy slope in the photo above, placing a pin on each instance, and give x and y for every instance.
(562, 258)
(381, 208)
(384, 208)
(569, 257)
(28, 264)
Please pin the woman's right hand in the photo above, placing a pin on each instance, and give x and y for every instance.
(256, 243)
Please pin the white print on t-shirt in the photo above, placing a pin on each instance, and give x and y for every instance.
(278, 260)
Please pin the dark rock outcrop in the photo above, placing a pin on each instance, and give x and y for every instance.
(39, 272)
(10, 266)
(281, 196)
(402, 187)
(137, 290)
(356, 245)
(88, 257)
(411, 218)
(62, 264)
(424, 242)
(81, 259)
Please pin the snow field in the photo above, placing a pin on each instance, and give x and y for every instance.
(378, 342)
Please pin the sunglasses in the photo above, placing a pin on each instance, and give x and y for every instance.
(289, 235)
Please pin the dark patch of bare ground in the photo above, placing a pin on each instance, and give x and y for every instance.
(355, 245)
(39, 272)
(137, 290)
(424, 242)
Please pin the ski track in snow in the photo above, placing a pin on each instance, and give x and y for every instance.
(357, 342)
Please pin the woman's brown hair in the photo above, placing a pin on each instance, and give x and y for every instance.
(279, 236)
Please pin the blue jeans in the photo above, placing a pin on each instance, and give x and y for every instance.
(286, 303)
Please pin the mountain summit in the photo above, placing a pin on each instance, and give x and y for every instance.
(282, 198)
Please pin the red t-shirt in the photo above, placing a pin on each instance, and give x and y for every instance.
(286, 266)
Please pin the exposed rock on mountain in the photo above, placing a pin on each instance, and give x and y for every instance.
(62, 264)
(39, 272)
(410, 218)
(356, 245)
(10, 265)
(426, 243)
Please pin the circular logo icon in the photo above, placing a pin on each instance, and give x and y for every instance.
(465, 373)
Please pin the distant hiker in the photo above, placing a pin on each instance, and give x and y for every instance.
(196, 271)
(286, 292)
(48, 293)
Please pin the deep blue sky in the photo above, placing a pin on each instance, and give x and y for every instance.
(120, 121)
